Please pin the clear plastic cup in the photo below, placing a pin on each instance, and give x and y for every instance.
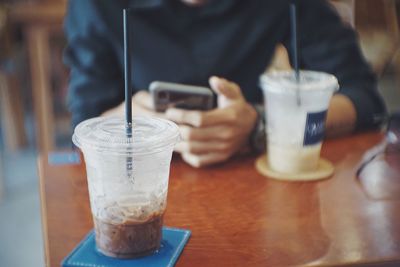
(127, 180)
(295, 116)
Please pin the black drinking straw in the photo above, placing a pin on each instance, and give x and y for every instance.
(128, 89)
(293, 27)
(127, 74)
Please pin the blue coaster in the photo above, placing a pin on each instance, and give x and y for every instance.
(64, 158)
(86, 254)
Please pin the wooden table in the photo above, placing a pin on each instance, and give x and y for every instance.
(240, 218)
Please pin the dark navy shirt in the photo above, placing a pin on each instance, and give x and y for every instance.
(234, 39)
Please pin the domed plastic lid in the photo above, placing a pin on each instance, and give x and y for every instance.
(309, 80)
(108, 134)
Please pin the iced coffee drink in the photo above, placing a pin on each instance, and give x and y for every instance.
(128, 181)
(295, 115)
(131, 238)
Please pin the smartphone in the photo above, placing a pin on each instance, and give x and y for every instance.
(182, 96)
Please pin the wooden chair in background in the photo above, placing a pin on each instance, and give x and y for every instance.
(377, 24)
(11, 110)
(39, 20)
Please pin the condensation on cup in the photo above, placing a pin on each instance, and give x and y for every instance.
(127, 180)
(295, 116)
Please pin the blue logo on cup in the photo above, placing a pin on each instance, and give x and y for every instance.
(315, 128)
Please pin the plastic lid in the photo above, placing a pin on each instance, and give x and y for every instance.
(108, 134)
(309, 80)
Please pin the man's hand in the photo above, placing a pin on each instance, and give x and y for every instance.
(214, 136)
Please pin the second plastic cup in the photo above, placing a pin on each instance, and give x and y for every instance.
(128, 181)
(295, 115)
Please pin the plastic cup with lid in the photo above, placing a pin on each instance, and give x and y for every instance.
(123, 201)
(295, 112)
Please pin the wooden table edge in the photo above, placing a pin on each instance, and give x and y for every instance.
(43, 208)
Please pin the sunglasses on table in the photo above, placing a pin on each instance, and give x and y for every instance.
(379, 171)
(390, 145)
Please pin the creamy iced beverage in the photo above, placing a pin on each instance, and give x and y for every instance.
(295, 116)
(293, 159)
(127, 180)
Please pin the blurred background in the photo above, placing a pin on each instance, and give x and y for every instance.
(34, 117)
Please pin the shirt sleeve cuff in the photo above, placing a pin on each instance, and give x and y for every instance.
(257, 139)
(371, 112)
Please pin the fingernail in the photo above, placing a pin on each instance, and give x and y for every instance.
(214, 81)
